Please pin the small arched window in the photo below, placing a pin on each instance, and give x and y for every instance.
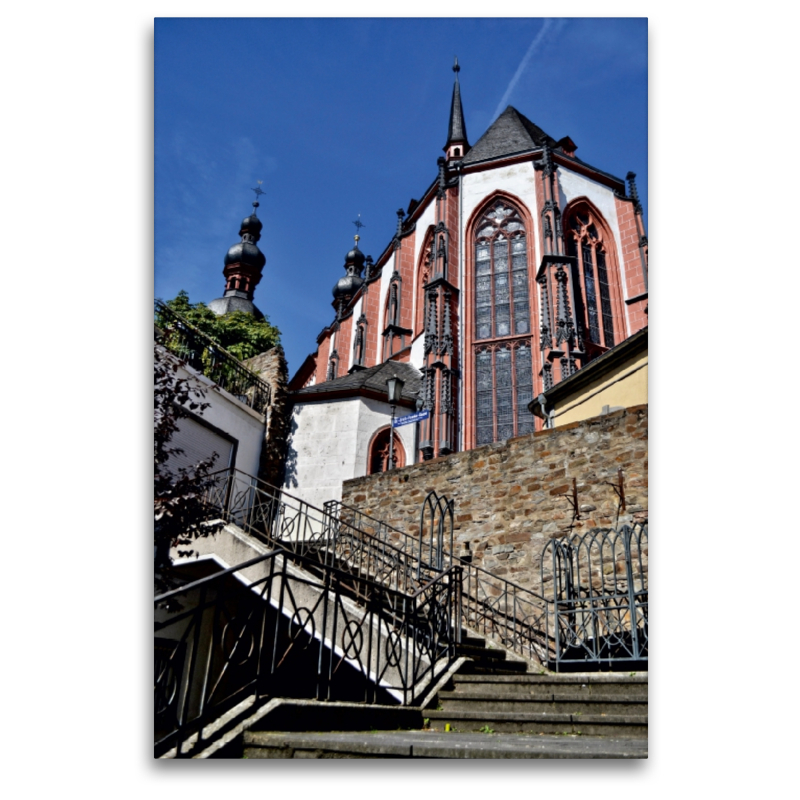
(380, 449)
(585, 242)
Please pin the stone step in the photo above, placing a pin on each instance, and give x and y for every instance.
(429, 744)
(545, 685)
(480, 653)
(493, 667)
(618, 725)
(565, 704)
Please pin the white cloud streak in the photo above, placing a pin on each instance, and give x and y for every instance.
(537, 40)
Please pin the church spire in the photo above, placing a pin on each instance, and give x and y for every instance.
(457, 143)
(243, 265)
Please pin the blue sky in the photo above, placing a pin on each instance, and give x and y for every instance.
(345, 116)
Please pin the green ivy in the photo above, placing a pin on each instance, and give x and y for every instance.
(241, 334)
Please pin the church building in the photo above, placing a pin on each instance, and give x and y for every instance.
(518, 265)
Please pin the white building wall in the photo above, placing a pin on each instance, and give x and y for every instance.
(329, 442)
(417, 358)
(516, 179)
(236, 419)
(425, 220)
(386, 279)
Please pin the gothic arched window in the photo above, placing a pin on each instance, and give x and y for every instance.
(585, 241)
(503, 363)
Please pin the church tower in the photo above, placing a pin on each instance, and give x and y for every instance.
(243, 265)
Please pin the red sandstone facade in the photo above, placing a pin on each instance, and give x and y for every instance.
(519, 265)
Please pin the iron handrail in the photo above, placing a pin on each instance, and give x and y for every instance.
(494, 606)
(453, 559)
(211, 359)
(280, 518)
(221, 643)
(514, 615)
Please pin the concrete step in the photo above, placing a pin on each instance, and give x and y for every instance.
(617, 725)
(458, 701)
(429, 744)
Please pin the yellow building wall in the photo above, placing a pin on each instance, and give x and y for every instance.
(626, 386)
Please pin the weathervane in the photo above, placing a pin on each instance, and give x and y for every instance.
(359, 225)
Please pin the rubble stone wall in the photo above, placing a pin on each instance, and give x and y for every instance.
(513, 496)
(271, 368)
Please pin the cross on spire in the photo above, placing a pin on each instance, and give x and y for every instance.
(359, 225)
(258, 192)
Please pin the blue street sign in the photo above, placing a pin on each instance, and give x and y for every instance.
(417, 416)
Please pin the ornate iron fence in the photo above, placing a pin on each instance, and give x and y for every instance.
(233, 639)
(207, 357)
(511, 614)
(597, 613)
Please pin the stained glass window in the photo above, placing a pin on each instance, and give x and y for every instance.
(593, 293)
(504, 370)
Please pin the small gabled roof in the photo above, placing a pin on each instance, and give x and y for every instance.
(510, 133)
(371, 381)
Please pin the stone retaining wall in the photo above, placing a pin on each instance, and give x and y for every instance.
(271, 367)
(512, 497)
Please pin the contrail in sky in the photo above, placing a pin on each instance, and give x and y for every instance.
(548, 24)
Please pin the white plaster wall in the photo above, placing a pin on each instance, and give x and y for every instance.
(516, 179)
(386, 279)
(353, 326)
(233, 417)
(417, 358)
(322, 449)
(374, 415)
(426, 219)
(329, 442)
(572, 185)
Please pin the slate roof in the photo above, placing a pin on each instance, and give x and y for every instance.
(510, 133)
(457, 129)
(372, 380)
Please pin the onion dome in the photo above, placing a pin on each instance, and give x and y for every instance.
(243, 265)
(245, 253)
(352, 281)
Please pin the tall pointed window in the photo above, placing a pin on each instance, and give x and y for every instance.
(586, 243)
(503, 365)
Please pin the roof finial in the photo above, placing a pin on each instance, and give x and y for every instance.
(258, 192)
(456, 68)
(359, 225)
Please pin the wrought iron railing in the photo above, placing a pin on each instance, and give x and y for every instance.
(280, 518)
(230, 641)
(598, 608)
(207, 357)
(511, 614)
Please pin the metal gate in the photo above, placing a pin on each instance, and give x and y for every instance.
(435, 522)
(597, 608)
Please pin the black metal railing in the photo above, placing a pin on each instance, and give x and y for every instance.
(228, 642)
(277, 517)
(597, 612)
(511, 614)
(207, 357)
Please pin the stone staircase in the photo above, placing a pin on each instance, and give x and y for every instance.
(493, 706)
